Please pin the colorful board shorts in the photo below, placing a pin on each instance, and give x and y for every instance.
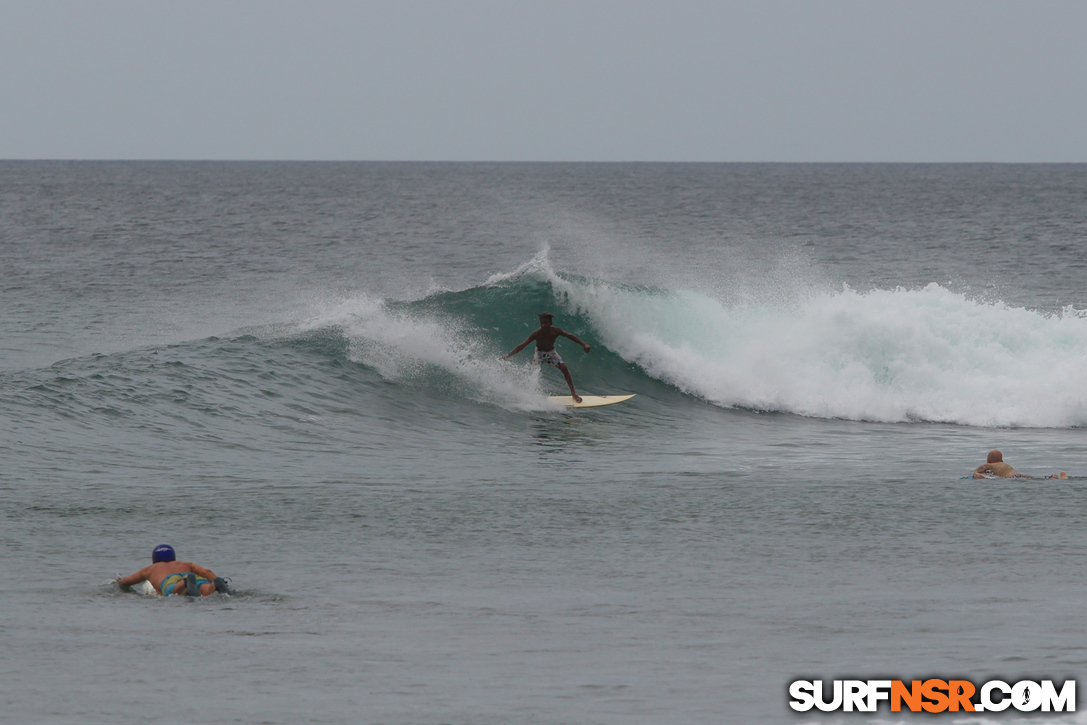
(550, 357)
(173, 580)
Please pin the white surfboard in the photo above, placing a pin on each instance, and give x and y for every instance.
(145, 588)
(590, 401)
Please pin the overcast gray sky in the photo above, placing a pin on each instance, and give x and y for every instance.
(632, 80)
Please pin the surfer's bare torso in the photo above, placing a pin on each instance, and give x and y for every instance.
(545, 338)
(155, 573)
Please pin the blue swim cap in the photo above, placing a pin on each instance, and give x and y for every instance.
(162, 552)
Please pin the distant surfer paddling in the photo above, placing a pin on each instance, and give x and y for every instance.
(169, 576)
(545, 339)
(995, 466)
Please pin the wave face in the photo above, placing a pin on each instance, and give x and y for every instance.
(900, 355)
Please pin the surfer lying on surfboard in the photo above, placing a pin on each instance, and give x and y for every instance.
(545, 339)
(995, 466)
(170, 576)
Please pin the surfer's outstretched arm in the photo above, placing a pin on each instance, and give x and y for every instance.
(520, 347)
(133, 579)
(575, 339)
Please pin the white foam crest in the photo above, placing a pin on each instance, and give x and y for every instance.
(885, 355)
(407, 347)
(539, 265)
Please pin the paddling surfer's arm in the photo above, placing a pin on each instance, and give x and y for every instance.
(142, 575)
(520, 347)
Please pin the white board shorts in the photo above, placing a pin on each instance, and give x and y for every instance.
(551, 357)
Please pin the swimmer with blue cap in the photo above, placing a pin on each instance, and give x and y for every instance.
(170, 576)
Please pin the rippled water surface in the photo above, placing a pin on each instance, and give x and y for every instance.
(290, 372)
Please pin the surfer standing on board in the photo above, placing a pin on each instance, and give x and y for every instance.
(169, 576)
(545, 339)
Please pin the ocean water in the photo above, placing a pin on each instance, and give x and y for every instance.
(289, 371)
